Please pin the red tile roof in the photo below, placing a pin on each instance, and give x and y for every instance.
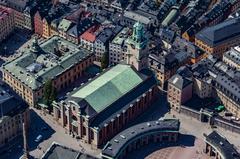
(90, 35)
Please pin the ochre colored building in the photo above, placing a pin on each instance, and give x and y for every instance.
(6, 22)
(219, 38)
(56, 59)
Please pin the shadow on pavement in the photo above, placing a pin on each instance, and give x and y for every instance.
(38, 127)
(157, 110)
(13, 42)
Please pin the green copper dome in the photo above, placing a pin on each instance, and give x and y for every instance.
(138, 38)
(35, 48)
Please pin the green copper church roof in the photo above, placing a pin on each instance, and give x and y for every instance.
(109, 87)
(40, 62)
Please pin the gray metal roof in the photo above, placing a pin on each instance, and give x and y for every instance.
(222, 145)
(114, 147)
(220, 33)
(179, 81)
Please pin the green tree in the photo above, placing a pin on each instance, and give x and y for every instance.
(104, 61)
(49, 93)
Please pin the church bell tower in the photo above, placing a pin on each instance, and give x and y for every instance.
(137, 48)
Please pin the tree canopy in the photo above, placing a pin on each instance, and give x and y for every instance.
(104, 61)
(49, 93)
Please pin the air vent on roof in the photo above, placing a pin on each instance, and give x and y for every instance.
(122, 136)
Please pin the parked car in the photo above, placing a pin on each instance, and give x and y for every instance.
(38, 138)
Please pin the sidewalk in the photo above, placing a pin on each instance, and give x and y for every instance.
(61, 136)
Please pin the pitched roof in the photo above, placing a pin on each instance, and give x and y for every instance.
(219, 33)
(179, 81)
(109, 87)
(81, 27)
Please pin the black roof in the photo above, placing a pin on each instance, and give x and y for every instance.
(10, 105)
(81, 27)
(57, 151)
(222, 145)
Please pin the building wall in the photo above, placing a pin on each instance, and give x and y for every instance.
(230, 62)
(98, 137)
(177, 97)
(75, 40)
(60, 82)
(20, 88)
(135, 58)
(7, 23)
(211, 151)
(202, 89)
(236, 6)
(100, 50)
(11, 127)
(54, 31)
(28, 21)
(19, 19)
(186, 36)
(87, 44)
(229, 104)
(38, 24)
(117, 53)
(186, 93)
(218, 50)
(46, 29)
